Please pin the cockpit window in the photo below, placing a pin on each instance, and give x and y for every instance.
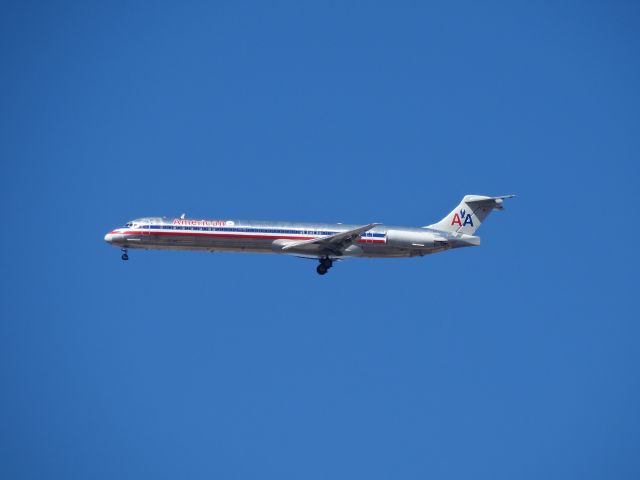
(129, 225)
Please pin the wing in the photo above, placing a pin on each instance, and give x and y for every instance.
(335, 244)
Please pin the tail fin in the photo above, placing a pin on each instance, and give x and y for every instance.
(467, 217)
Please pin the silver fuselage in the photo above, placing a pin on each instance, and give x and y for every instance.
(271, 237)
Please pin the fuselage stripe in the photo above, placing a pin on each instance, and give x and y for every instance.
(274, 236)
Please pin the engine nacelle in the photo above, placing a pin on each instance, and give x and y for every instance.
(399, 238)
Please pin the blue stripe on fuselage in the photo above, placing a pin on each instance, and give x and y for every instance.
(275, 231)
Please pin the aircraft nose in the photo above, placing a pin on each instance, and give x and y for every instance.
(108, 238)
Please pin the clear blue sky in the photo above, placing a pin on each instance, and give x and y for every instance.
(518, 359)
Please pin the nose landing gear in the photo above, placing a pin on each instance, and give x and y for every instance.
(325, 265)
(125, 255)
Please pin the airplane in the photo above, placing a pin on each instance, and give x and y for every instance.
(322, 241)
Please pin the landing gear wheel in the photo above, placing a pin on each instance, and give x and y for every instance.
(125, 256)
(327, 263)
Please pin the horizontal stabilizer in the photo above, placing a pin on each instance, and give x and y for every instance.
(495, 202)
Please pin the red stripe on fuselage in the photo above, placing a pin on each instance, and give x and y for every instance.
(213, 234)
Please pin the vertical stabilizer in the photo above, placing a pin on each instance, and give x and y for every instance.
(469, 214)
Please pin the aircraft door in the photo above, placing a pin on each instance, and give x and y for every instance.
(146, 226)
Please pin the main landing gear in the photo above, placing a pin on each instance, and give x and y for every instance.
(125, 255)
(325, 265)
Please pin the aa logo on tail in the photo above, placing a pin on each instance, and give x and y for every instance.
(462, 219)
